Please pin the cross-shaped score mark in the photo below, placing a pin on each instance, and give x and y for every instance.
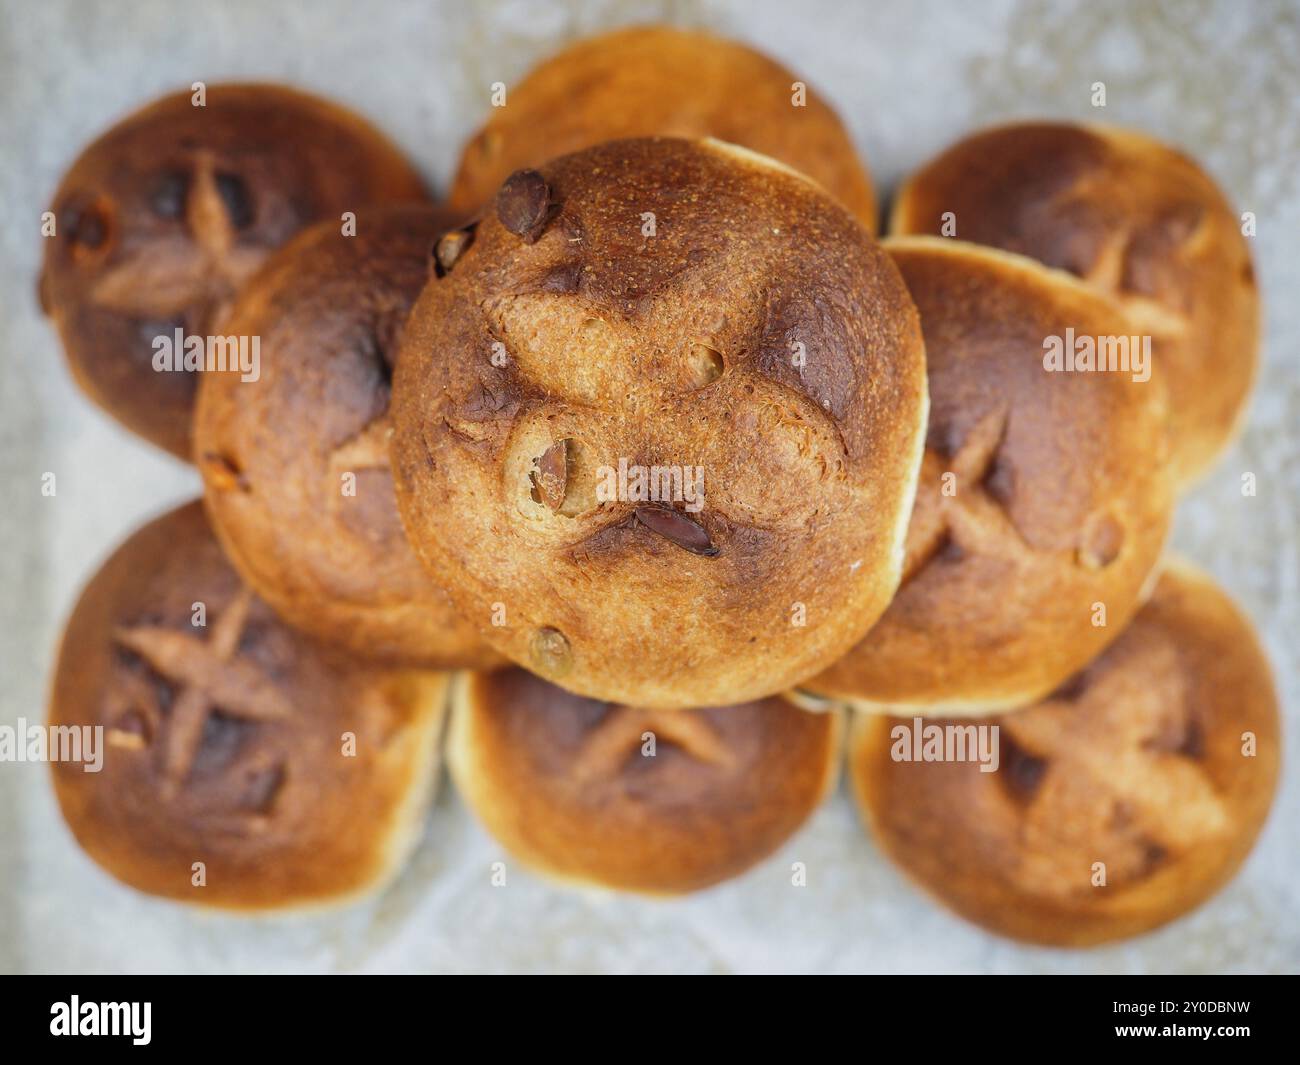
(1162, 791)
(1118, 265)
(194, 279)
(972, 519)
(612, 742)
(210, 677)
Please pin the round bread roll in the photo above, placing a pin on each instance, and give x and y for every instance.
(659, 423)
(162, 219)
(1043, 501)
(657, 81)
(297, 776)
(295, 463)
(1136, 220)
(1123, 801)
(618, 797)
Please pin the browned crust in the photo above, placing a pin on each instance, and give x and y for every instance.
(332, 828)
(274, 453)
(1051, 475)
(297, 159)
(1138, 764)
(564, 785)
(650, 81)
(808, 472)
(1136, 219)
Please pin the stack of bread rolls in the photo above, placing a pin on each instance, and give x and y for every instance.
(640, 472)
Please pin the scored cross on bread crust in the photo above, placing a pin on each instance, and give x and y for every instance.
(1139, 261)
(622, 732)
(190, 278)
(209, 677)
(1117, 762)
(970, 517)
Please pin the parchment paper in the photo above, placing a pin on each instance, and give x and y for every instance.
(1220, 79)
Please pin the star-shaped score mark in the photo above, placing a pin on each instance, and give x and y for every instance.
(1134, 750)
(1136, 260)
(190, 278)
(210, 677)
(609, 745)
(973, 518)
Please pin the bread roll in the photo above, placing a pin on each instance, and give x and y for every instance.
(1043, 501)
(636, 800)
(1133, 218)
(657, 81)
(244, 766)
(1122, 802)
(295, 463)
(659, 423)
(162, 219)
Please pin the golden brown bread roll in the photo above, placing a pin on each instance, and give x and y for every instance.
(163, 218)
(1142, 763)
(572, 380)
(1042, 494)
(1137, 220)
(228, 744)
(651, 81)
(295, 463)
(632, 799)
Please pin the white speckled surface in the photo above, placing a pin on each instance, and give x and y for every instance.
(1220, 79)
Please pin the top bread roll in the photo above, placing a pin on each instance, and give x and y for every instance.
(1043, 500)
(1133, 218)
(655, 81)
(295, 462)
(658, 424)
(162, 219)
